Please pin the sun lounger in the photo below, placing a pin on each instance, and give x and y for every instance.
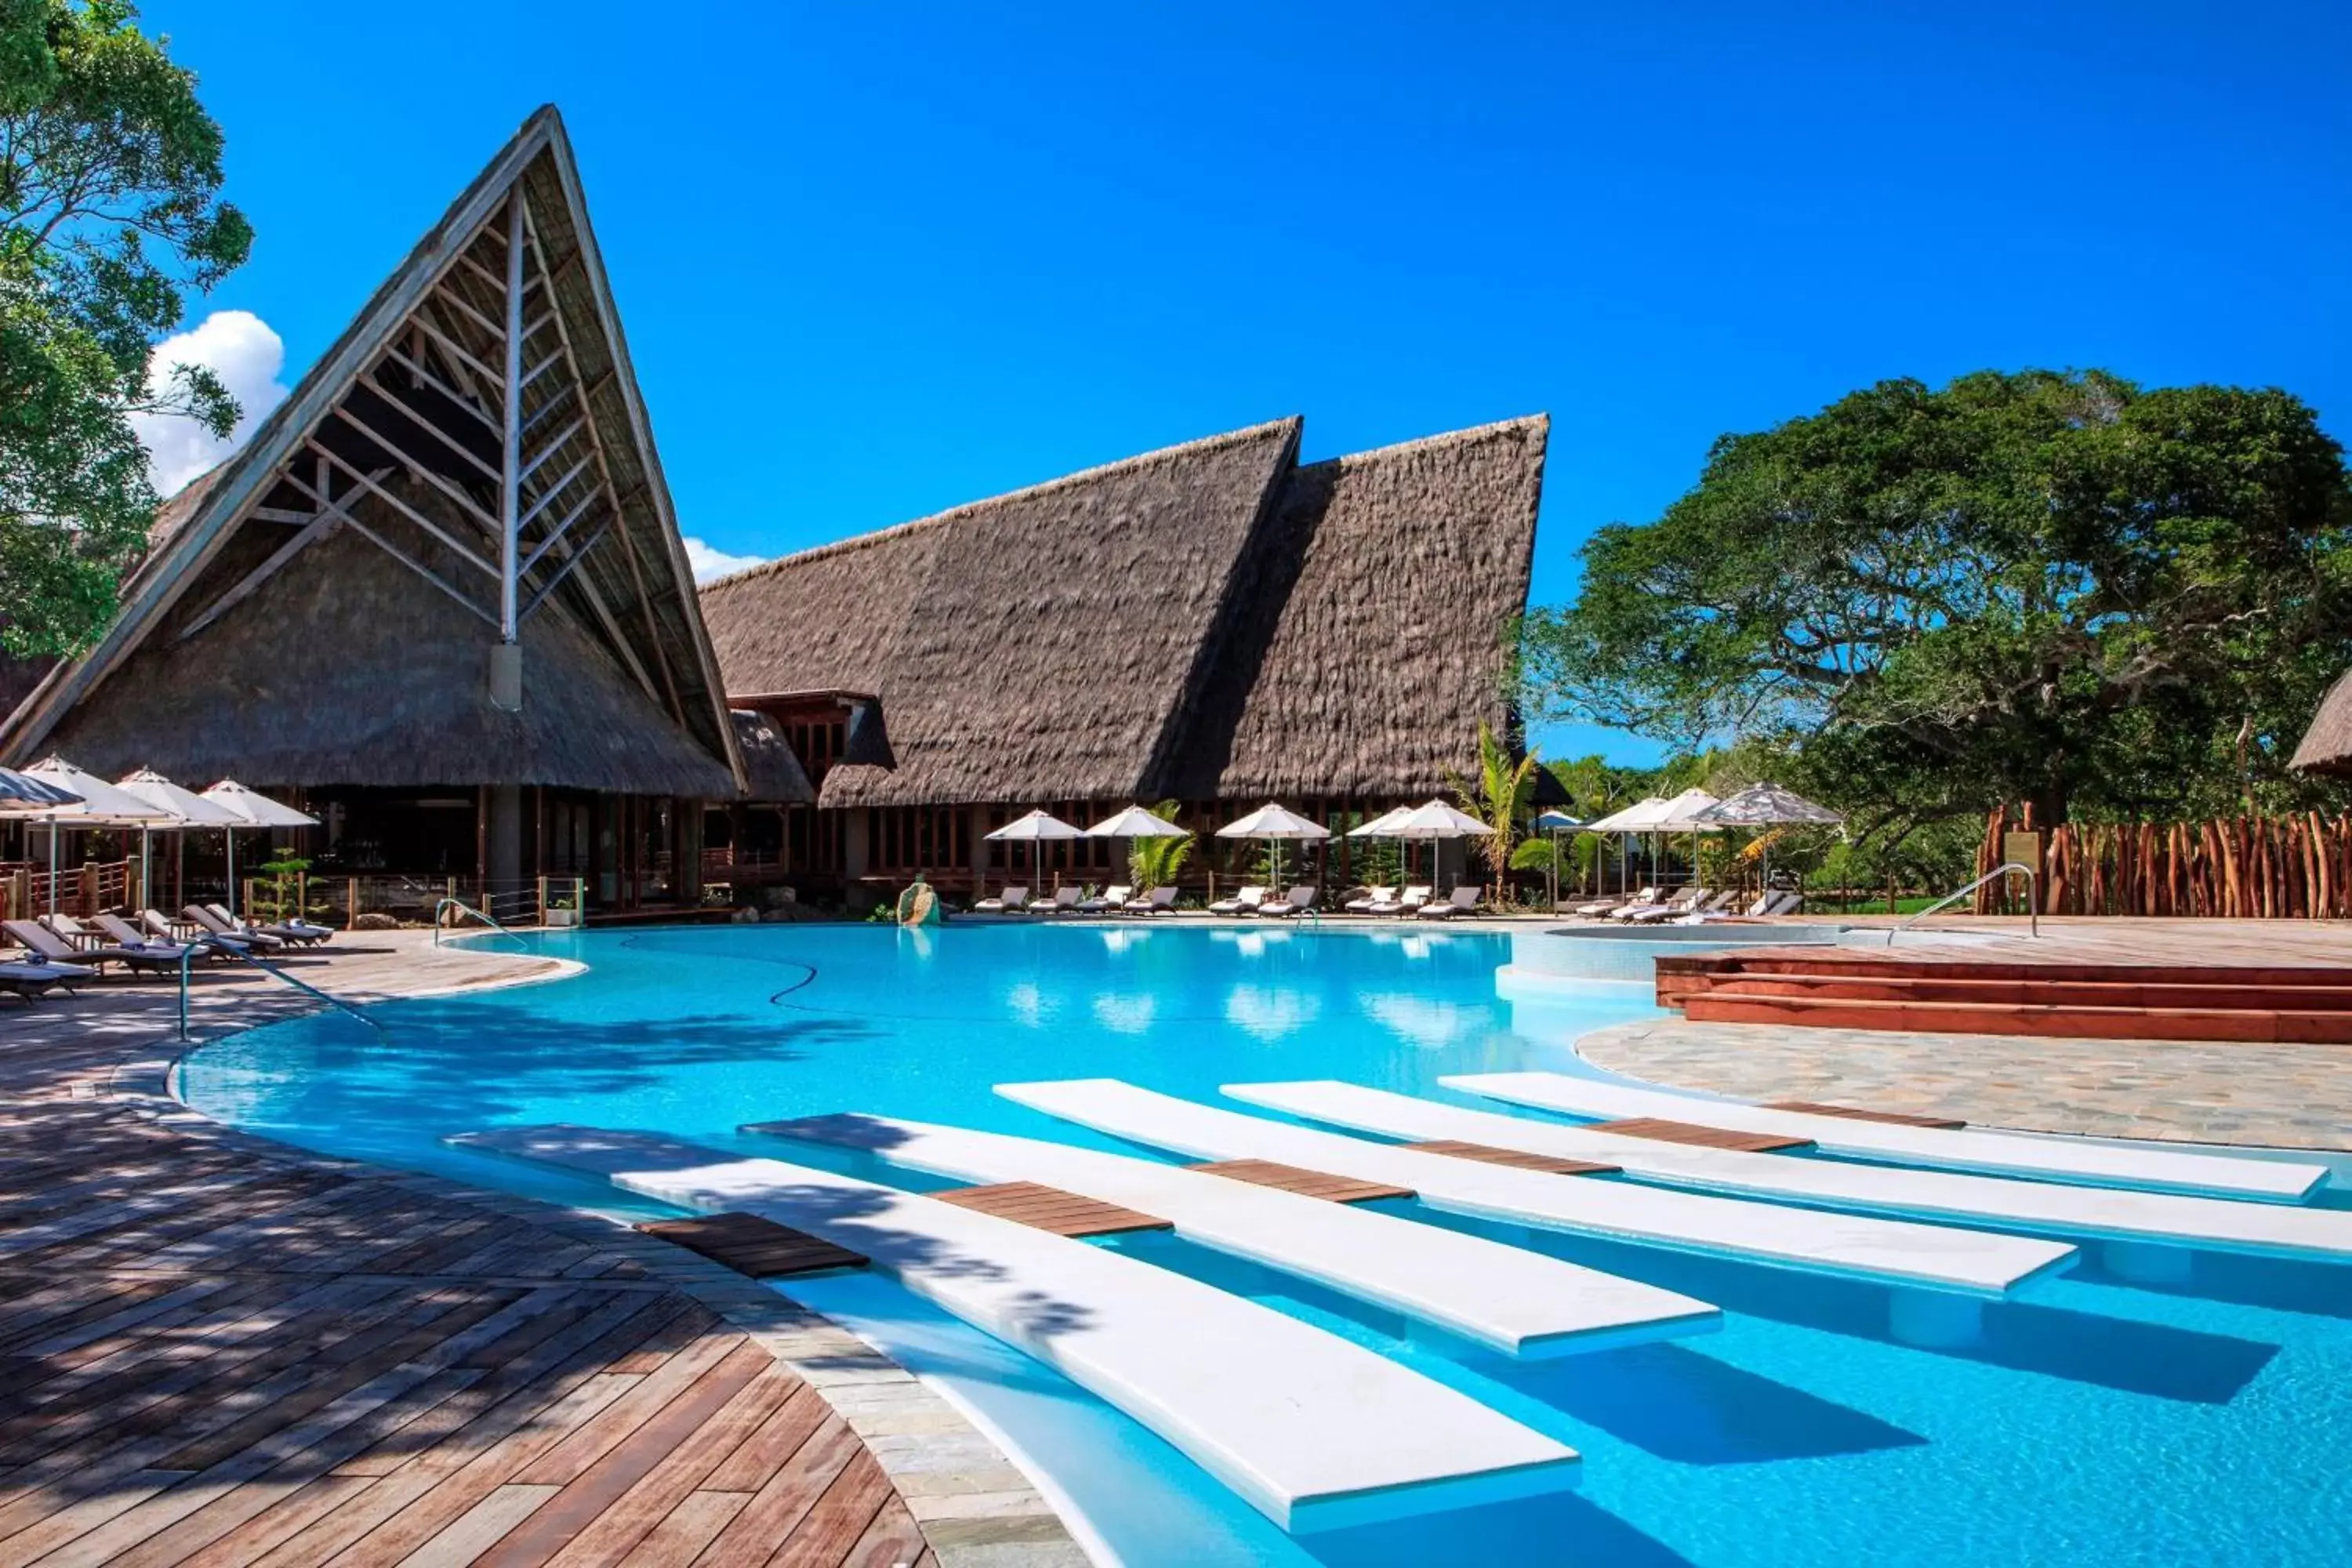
(1064, 900)
(1969, 1149)
(1298, 901)
(1463, 901)
(1519, 1302)
(1416, 895)
(212, 924)
(1599, 908)
(1244, 902)
(1013, 900)
(1834, 1184)
(301, 932)
(1372, 901)
(30, 979)
(1658, 909)
(1158, 901)
(1312, 1429)
(160, 927)
(47, 945)
(1113, 897)
(122, 934)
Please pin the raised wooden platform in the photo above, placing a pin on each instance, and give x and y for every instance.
(755, 1246)
(1517, 1159)
(1050, 1209)
(1865, 989)
(1665, 1131)
(1889, 1118)
(1306, 1184)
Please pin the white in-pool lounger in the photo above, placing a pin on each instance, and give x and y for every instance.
(1888, 1251)
(1966, 1149)
(1521, 1304)
(2275, 1228)
(1315, 1432)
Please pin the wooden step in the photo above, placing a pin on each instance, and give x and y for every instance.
(1306, 1184)
(1699, 1137)
(2038, 993)
(751, 1244)
(1682, 974)
(1517, 1159)
(1050, 1209)
(1891, 1118)
(2220, 1024)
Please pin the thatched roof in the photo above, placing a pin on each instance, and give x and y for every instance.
(406, 401)
(1030, 645)
(2326, 746)
(1373, 634)
(1212, 620)
(351, 670)
(771, 773)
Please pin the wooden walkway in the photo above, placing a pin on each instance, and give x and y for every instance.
(215, 1351)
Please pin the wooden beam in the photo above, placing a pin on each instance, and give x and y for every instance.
(462, 399)
(464, 501)
(451, 345)
(406, 510)
(280, 514)
(565, 570)
(605, 471)
(324, 523)
(367, 379)
(510, 473)
(548, 498)
(554, 444)
(444, 294)
(555, 535)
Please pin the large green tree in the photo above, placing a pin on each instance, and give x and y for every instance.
(110, 210)
(2042, 586)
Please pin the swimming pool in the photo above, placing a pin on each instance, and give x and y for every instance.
(2096, 1419)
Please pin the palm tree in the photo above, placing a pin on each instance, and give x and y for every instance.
(1500, 796)
(1154, 862)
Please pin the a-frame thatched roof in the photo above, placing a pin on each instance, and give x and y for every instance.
(2326, 746)
(1208, 621)
(321, 608)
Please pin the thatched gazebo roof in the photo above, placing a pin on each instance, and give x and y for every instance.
(1208, 620)
(2326, 746)
(323, 608)
(772, 772)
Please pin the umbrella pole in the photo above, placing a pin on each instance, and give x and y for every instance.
(232, 872)
(52, 867)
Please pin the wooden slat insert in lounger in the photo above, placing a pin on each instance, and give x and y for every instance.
(1050, 1209)
(1517, 1159)
(1666, 1132)
(1891, 1118)
(1306, 1184)
(751, 1244)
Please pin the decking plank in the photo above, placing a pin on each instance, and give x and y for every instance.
(1665, 1131)
(1306, 1184)
(1517, 1159)
(1050, 1209)
(1891, 1118)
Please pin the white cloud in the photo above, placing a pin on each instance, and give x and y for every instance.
(708, 563)
(236, 345)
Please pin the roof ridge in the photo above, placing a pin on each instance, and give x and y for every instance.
(940, 519)
(1444, 438)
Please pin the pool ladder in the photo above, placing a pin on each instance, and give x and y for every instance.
(462, 908)
(2032, 900)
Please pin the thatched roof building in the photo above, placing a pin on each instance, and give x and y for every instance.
(322, 608)
(2326, 746)
(1212, 621)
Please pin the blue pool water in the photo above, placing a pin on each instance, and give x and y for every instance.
(2095, 1421)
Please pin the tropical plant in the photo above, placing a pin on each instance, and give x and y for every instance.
(1156, 862)
(284, 895)
(110, 177)
(1502, 797)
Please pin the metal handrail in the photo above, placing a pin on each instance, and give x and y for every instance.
(462, 907)
(2032, 900)
(188, 952)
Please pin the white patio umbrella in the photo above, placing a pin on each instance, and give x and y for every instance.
(22, 794)
(257, 810)
(100, 805)
(185, 808)
(1683, 815)
(1034, 829)
(1377, 828)
(1770, 806)
(1437, 821)
(1639, 817)
(1136, 823)
(1276, 825)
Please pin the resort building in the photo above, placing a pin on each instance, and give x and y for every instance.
(1215, 623)
(439, 600)
(439, 597)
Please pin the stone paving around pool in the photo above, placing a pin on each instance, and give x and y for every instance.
(2284, 1096)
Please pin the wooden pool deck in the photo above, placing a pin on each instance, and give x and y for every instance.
(217, 1351)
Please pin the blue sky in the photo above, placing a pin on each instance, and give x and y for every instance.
(876, 260)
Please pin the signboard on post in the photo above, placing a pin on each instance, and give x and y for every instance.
(2022, 849)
